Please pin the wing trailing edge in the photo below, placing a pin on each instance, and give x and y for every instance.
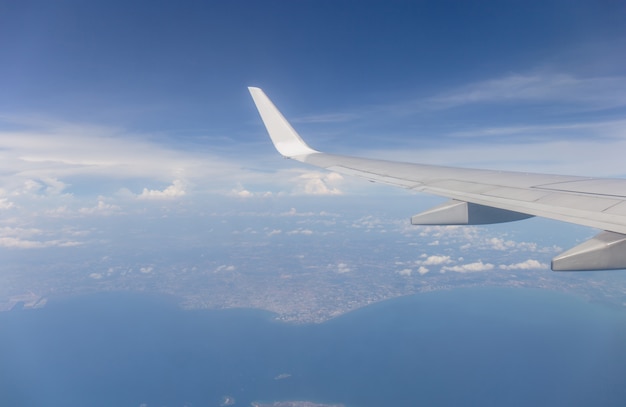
(484, 196)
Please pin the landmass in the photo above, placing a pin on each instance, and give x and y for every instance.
(300, 283)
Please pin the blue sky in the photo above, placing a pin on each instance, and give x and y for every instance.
(111, 110)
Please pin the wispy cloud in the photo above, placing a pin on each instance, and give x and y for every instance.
(593, 92)
(36, 238)
(326, 118)
(42, 157)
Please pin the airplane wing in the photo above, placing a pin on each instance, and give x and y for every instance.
(484, 196)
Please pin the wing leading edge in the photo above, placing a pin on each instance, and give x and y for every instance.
(484, 196)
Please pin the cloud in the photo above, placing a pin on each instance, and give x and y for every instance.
(596, 92)
(146, 270)
(436, 260)
(6, 204)
(101, 208)
(177, 189)
(17, 243)
(51, 157)
(300, 232)
(529, 264)
(468, 268)
(31, 238)
(319, 183)
(241, 192)
(225, 267)
(326, 118)
(405, 272)
(343, 268)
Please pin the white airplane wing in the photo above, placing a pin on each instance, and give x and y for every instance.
(484, 196)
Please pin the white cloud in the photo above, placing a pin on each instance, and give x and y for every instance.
(343, 268)
(101, 207)
(436, 260)
(177, 189)
(497, 243)
(274, 232)
(300, 232)
(45, 157)
(241, 192)
(146, 270)
(319, 183)
(31, 238)
(224, 267)
(529, 264)
(470, 267)
(17, 243)
(6, 204)
(405, 272)
(422, 270)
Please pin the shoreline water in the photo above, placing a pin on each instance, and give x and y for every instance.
(439, 348)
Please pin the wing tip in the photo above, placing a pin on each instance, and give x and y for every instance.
(286, 140)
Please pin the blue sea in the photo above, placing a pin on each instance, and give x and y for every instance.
(465, 347)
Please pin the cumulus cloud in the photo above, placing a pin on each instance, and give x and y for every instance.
(146, 270)
(436, 260)
(497, 243)
(469, 268)
(319, 183)
(241, 192)
(101, 207)
(177, 189)
(529, 264)
(405, 272)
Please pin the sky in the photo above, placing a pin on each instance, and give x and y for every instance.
(127, 113)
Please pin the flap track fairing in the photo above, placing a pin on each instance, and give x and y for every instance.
(465, 213)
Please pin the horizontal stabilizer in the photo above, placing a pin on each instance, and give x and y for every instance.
(465, 213)
(606, 251)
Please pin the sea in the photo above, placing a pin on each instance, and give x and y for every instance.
(462, 347)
